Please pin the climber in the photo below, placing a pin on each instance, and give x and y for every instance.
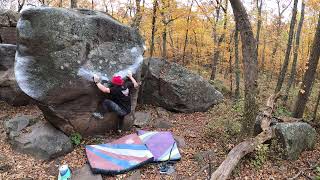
(120, 101)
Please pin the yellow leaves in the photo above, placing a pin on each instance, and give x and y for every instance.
(313, 4)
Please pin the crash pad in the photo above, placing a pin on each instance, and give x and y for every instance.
(161, 144)
(119, 156)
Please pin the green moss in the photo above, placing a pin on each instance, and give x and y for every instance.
(260, 156)
(76, 138)
(282, 111)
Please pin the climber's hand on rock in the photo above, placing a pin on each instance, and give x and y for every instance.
(129, 74)
(96, 78)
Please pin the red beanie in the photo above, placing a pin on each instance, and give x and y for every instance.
(117, 80)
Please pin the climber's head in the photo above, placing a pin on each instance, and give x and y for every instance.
(117, 80)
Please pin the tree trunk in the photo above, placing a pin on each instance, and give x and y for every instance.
(277, 43)
(60, 3)
(309, 75)
(236, 61)
(73, 4)
(153, 31)
(295, 53)
(289, 44)
(216, 53)
(259, 7)
(137, 18)
(272, 59)
(214, 29)
(249, 57)
(316, 108)
(230, 63)
(263, 54)
(164, 42)
(186, 36)
(165, 22)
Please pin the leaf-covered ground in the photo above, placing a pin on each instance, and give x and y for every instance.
(192, 127)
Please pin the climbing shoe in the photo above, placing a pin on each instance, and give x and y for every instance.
(97, 115)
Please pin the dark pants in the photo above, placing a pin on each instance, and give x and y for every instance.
(110, 106)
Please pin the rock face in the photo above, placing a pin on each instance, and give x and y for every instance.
(295, 138)
(9, 89)
(58, 52)
(41, 140)
(173, 87)
(8, 22)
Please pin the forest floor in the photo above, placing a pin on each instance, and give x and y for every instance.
(213, 130)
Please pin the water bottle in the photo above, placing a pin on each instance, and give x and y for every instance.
(64, 173)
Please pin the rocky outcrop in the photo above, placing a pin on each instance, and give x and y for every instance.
(173, 87)
(295, 138)
(9, 89)
(40, 140)
(58, 52)
(8, 22)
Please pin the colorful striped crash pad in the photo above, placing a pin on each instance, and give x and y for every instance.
(161, 144)
(119, 156)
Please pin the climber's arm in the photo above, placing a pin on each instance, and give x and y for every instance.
(102, 88)
(135, 84)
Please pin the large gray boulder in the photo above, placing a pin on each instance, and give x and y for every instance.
(175, 88)
(9, 89)
(40, 140)
(58, 52)
(295, 138)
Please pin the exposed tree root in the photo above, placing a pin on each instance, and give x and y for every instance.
(249, 145)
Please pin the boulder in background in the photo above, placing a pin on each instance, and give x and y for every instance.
(175, 88)
(10, 92)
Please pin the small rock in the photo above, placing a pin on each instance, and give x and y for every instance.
(180, 141)
(135, 176)
(162, 113)
(85, 173)
(142, 118)
(295, 138)
(162, 123)
(17, 123)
